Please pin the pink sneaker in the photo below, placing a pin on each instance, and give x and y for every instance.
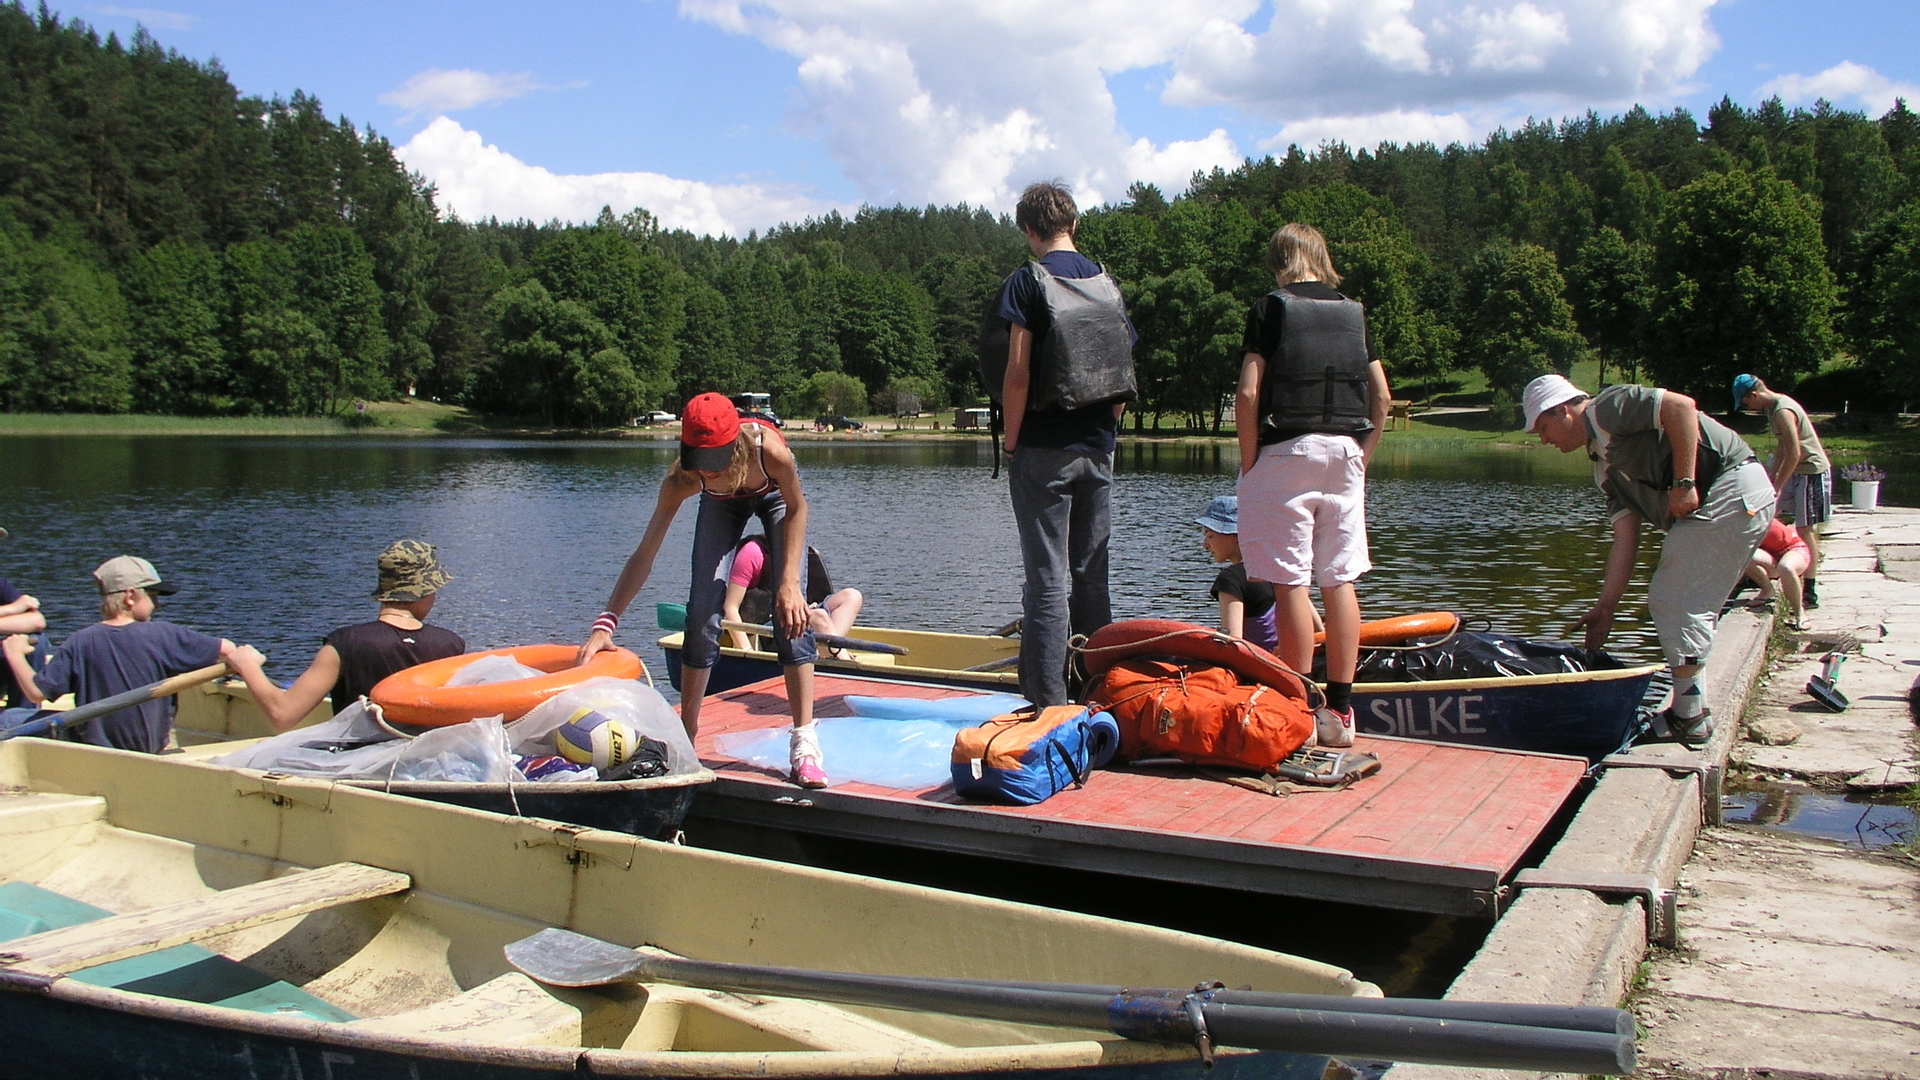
(804, 750)
(1333, 728)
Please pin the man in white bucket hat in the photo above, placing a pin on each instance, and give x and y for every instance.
(1661, 461)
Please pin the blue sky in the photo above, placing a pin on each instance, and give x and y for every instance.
(728, 115)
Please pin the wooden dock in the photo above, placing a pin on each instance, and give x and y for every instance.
(1440, 828)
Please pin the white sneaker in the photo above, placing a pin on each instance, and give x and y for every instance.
(809, 770)
(1333, 728)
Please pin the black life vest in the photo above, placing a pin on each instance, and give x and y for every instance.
(1318, 381)
(1086, 357)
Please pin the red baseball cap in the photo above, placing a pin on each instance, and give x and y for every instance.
(708, 427)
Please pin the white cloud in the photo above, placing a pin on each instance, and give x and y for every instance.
(925, 102)
(442, 91)
(478, 180)
(1397, 126)
(1842, 82)
(1359, 58)
(152, 18)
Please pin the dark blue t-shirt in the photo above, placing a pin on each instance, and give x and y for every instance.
(100, 661)
(9, 691)
(1022, 303)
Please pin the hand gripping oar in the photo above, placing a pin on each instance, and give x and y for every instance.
(1206, 1016)
(831, 641)
(94, 710)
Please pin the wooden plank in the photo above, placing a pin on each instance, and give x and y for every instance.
(137, 933)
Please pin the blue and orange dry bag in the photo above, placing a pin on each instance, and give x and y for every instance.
(1026, 757)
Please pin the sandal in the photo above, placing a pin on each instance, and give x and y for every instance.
(1761, 604)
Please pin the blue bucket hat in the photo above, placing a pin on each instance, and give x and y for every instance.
(1742, 386)
(1222, 516)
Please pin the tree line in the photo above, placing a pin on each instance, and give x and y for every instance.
(170, 245)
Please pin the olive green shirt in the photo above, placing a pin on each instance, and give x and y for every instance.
(1789, 415)
(1632, 460)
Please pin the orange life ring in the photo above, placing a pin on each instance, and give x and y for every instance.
(1403, 628)
(1129, 638)
(421, 697)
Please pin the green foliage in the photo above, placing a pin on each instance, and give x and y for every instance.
(1884, 313)
(1610, 285)
(63, 331)
(1519, 324)
(175, 295)
(557, 360)
(831, 392)
(1740, 284)
(1188, 357)
(1381, 267)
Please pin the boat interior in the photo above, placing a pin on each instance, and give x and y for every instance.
(209, 896)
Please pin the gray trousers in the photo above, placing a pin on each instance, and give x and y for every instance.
(1062, 507)
(1703, 555)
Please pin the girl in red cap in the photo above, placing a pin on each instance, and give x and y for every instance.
(741, 468)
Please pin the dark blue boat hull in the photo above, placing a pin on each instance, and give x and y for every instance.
(1590, 715)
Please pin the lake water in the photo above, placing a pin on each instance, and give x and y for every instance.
(272, 541)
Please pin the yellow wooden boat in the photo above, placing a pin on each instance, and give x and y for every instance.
(172, 919)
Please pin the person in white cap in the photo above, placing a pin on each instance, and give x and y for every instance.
(126, 650)
(1661, 461)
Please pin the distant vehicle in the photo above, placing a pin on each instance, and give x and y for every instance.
(970, 418)
(756, 405)
(837, 423)
(655, 417)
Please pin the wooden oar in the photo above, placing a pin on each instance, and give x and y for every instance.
(93, 710)
(563, 958)
(831, 641)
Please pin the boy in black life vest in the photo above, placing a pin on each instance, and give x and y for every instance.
(1068, 377)
(1311, 404)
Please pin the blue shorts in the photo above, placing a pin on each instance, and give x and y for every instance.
(1807, 498)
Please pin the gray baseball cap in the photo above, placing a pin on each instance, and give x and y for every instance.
(123, 572)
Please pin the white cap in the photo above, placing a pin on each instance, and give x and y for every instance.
(1544, 393)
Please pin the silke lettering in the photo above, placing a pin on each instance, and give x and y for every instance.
(1440, 715)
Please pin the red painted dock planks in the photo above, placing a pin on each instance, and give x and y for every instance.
(1431, 803)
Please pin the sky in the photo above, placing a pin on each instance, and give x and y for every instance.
(725, 116)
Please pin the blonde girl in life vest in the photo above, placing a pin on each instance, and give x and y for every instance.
(740, 469)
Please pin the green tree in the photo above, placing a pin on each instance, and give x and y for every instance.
(175, 295)
(1187, 359)
(1741, 284)
(1380, 266)
(557, 360)
(1611, 287)
(333, 287)
(832, 392)
(635, 293)
(710, 356)
(63, 330)
(1884, 310)
(1519, 324)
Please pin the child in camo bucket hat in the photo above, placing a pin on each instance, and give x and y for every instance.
(409, 571)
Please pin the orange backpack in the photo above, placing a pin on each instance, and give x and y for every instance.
(1204, 714)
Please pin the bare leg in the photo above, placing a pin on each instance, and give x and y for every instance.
(837, 614)
(693, 688)
(1811, 534)
(1293, 618)
(799, 692)
(1343, 631)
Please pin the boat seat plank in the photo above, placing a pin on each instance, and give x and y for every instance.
(140, 932)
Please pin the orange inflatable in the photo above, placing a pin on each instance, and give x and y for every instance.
(421, 697)
(1403, 628)
(1129, 638)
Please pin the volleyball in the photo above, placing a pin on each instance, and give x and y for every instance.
(590, 738)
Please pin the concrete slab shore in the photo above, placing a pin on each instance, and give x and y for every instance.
(1797, 958)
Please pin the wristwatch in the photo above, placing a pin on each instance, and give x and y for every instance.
(1685, 483)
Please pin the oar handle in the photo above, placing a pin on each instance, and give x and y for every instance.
(93, 710)
(831, 641)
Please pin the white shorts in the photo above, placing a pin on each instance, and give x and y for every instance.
(1303, 512)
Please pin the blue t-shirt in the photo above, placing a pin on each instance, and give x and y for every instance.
(1091, 429)
(100, 661)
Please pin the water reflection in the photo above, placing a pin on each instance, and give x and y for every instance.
(273, 540)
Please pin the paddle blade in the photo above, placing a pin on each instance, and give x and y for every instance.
(564, 958)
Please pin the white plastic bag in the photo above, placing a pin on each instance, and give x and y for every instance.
(493, 669)
(348, 745)
(474, 752)
(636, 704)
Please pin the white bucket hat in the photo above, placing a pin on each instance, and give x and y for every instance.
(1544, 393)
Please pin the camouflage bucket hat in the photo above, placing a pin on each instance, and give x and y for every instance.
(409, 571)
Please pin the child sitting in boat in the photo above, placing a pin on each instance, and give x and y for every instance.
(747, 579)
(1783, 557)
(1246, 607)
(353, 659)
(126, 650)
(740, 468)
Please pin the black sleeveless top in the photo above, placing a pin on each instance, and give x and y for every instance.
(374, 650)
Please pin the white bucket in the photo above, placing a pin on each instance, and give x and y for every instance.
(1866, 494)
